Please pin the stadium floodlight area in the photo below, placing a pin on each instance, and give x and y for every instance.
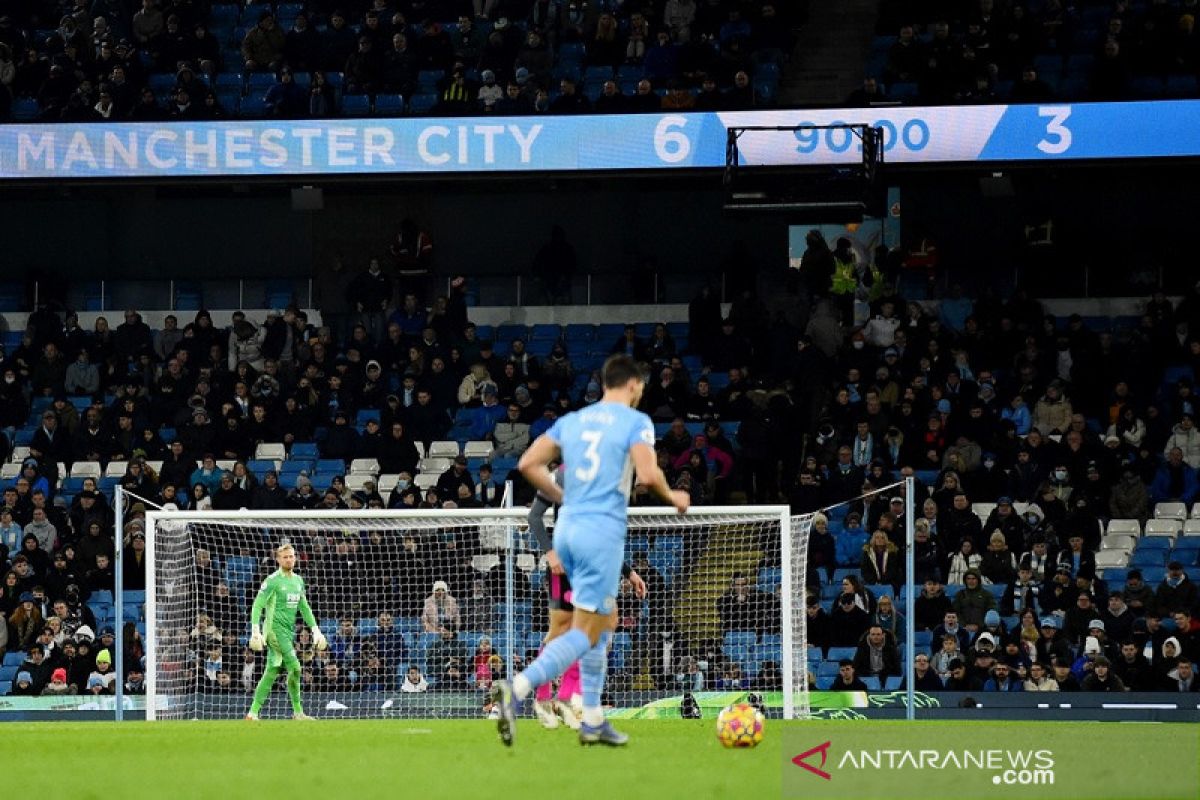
(370, 577)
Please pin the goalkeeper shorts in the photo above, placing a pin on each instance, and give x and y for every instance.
(281, 652)
(558, 592)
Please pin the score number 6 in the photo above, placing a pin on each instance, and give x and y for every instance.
(1058, 135)
(671, 144)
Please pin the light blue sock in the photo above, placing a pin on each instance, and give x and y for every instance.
(554, 660)
(591, 676)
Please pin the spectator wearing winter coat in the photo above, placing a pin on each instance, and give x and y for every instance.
(82, 378)
(262, 47)
(245, 344)
(881, 562)
(1052, 414)
(1175, 480)
(1128, 498)
(1186, 437)
(973, 601)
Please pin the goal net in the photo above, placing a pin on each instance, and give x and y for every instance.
(424, 609)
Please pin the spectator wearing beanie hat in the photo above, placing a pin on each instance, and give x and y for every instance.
(58, 684)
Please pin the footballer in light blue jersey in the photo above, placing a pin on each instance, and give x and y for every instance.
(595, 443)
(601, 446)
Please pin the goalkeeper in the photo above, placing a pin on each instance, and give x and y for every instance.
(280, 597)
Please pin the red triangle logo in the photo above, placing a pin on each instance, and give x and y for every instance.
(800, 761)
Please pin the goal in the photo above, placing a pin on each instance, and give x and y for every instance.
(423, 609)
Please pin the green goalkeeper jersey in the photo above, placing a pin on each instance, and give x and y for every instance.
(281, 596)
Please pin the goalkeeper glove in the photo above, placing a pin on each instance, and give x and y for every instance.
(319, 638)
(257, 642)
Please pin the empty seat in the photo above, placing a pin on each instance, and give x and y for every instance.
(332, 466)
(305, 450)
(1118, 541)
(259, 467)
(477, 450)
(1147, 558)
(1111, 558)
(87, 469)
(1155, 543)
(983, 510)
(389, 105)
(436, 466)
(1126, 526)
(1191, 527)
(426, 480)
(364, 466)
(1163, 527)
(358, 482)
(485, 562)
(1170, 511)
(274, 451)
(116, 469)
(9, 471)
(443, 449)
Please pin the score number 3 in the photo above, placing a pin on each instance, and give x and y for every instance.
(591, 456)
(1058, 135)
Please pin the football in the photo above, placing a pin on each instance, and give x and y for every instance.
(740, 725)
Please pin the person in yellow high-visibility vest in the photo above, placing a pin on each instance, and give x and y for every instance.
(845, 279)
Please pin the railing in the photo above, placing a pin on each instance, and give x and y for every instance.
(578, 289)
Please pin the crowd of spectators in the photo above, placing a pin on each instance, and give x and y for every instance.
(991, 51)
(837, 391)
(183, 60)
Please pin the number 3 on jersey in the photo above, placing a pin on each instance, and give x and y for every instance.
(588, 471)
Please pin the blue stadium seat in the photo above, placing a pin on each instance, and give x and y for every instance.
(230, 80)
(422, 103)
(505, 334)
(389, 105)
(259, 82)
(25, 109)
(428, 79)
(14, 658)
(872, 683)
(1148, 558)
(252, 107)
(579, 333)
(302, 451)
(1153, 543)
(571, 53)
(260, 466)
(838, 653)
(356, 105)
(545, 332)
(630, 72)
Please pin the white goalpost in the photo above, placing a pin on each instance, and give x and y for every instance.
(423, 609)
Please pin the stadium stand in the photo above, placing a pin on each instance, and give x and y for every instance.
(991, 52)
(1056, 463)
(171, 61)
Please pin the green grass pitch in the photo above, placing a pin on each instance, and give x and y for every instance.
(431, 759)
